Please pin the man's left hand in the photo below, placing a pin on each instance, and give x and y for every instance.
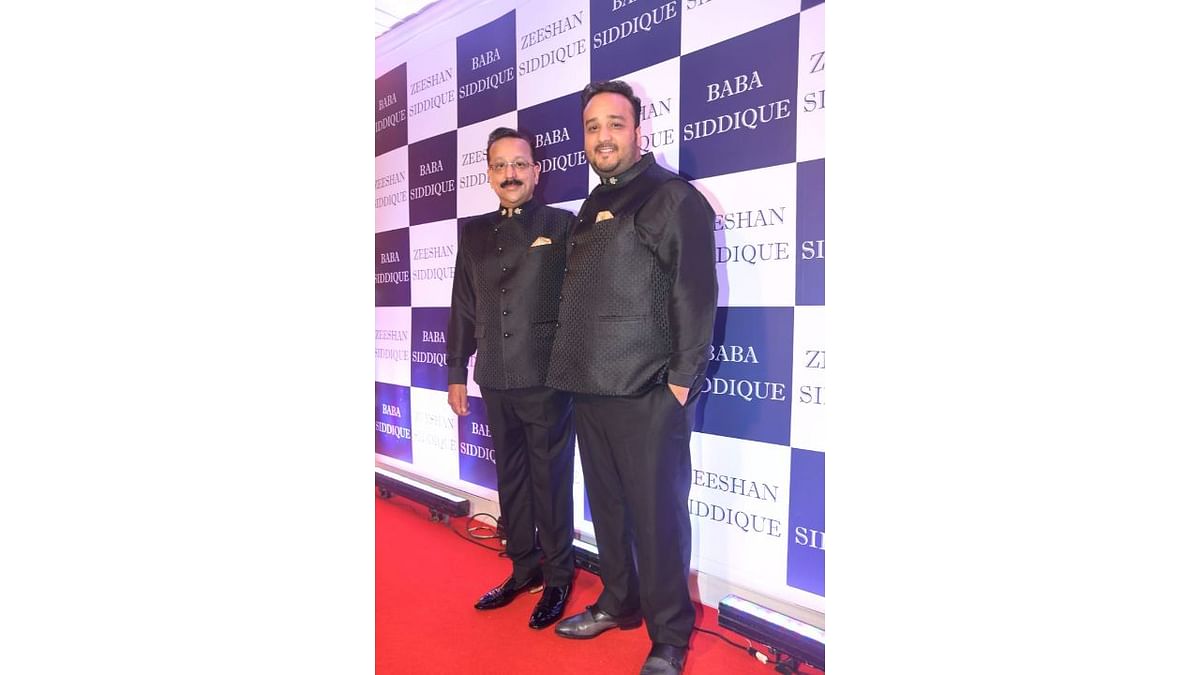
(681, 393)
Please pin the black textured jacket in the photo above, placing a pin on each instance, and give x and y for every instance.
(505, 298)
(640, 287)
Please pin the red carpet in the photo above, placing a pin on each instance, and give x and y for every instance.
(427, 580)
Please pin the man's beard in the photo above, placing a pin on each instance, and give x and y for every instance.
(613, 161)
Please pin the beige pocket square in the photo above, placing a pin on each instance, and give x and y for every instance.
(603, 215)
(540, 241)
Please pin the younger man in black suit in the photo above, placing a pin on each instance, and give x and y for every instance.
(639, 300)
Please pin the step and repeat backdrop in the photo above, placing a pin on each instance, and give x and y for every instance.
(733, 98)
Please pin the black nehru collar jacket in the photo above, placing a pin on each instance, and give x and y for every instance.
(639, 288)
(504, 302)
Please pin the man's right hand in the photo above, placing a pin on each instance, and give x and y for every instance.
(456, 396)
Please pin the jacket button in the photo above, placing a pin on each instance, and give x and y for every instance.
(508, 335)
(557, 324)
(572, 244)
(495, 229)
(503, 290)
(499, 249)
(505, 312)
(565, 270)
(560, 298)
(503, 269)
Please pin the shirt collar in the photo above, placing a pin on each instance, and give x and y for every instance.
(520, 212)
(619, 180)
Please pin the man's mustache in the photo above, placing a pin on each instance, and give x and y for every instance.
(511, 181)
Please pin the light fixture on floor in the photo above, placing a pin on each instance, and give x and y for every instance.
(587, 556)
(438, 501)
(782, 633)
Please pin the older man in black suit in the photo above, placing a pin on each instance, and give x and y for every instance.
(505, 305)
(639, 300)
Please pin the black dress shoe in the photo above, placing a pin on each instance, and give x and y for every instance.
(550, 608)
(664, 660)
(591, 622)
(505, 592)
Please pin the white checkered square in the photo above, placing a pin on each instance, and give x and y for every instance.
(391, 190)
(809, 396)
(434, 434)
(739, 510)
(433, 248)
(707, 22)
(553, 51)
(755, 233)
(432, 92)
(393, 343)
(475, 194)
(810, 92)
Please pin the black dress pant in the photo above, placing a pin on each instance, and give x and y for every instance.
(533, 438)
(637, 469)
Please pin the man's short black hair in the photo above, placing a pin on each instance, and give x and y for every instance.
(614, 87)
(505, 132)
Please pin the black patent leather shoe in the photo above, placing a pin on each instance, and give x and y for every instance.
(505, 592)
(550, 608)
(591, 622)
(664, 660)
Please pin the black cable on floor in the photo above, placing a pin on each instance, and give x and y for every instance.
(450, 524)
(473, 538)
(495, 529)
(782, 662)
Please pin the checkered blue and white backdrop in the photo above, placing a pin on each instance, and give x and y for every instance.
(733, 96)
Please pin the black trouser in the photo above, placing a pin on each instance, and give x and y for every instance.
(637, 470)
(533, 439)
